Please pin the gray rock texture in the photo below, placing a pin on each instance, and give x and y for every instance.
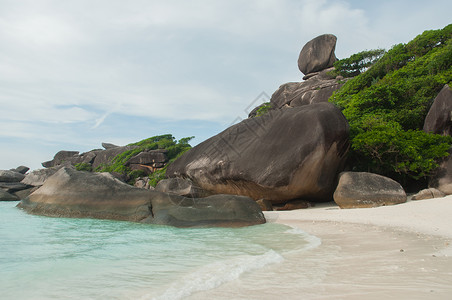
(317, 54)
(429, 193)
(439, 117)
(5, 196)
(181, 187)
(282, 155)
(361, 189)
(39, 176)
(10, 176)
(71, 193)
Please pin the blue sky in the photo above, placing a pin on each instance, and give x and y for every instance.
(76, 73)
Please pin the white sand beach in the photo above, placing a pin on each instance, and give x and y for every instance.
(391, 252)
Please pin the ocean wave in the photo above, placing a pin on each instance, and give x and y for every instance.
(213, 275)
(312, 241)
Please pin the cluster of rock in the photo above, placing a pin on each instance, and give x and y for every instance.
(71, 193)
(316, 61)
(289, 158)
(11, 186)
(147, 160)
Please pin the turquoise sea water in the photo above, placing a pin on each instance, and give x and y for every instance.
(61, 258)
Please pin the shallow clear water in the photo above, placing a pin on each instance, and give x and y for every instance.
(59, 258)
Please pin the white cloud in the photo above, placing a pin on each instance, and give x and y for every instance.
(66, 65)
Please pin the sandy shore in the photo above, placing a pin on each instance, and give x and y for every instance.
(391, 252)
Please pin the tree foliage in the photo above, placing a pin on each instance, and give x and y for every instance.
(357, 63)
(386, 107)
(175, 149)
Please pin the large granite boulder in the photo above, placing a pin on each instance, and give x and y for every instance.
(71, 193)
(317, 89)
(39, 176)
(21, 169)
(181, 187)
(60, 158)
(362, 189)
(106, 156)
(439, 117)
(10, 176)
(282, 155)
(317, 54)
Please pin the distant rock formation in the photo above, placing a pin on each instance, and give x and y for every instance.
(362, 189)
(280, 156)
(11, 187)
(317, 54)
(71, 193)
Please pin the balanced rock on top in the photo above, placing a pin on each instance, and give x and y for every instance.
(317, 54)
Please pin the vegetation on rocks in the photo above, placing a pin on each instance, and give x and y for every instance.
(386, 106)
(168, 142)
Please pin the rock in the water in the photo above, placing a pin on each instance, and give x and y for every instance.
(109, 146)
(439, 117)
(5, 196)
(282, 155)
(317, 54)
(10, 176)
(12, 187)
(428, 194)
(361, 189)
(39, 176)
(21, 169)
(181, 187)
(71, 193)
(25, 193)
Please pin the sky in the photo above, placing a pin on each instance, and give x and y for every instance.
(76, 73)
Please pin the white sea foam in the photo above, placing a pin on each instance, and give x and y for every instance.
(313, 241)
(216, 274)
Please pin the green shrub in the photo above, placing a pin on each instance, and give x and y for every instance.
(175, 149)
(386, 108)
(83, 167)
(263, 109)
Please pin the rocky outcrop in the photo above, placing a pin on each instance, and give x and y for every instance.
(181, 187)
(317, 54)
(280, 156)
(109, 146)
(317, 89)
(71, 193)
(10, 176)
(38, 177)
(361, 189)
(429, 193)
(60, 158)
(10, 183)
(105, 156)
(442, 178)
(439, 117)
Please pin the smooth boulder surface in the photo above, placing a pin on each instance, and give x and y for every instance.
(442, 179)
(71, 193)
(429, 193)
(5, 196)
(39, 176)
(181, 187)
(439, 117)
(362, 189)
(10, 176)
(282, 155)
(317, 54)
(317, 89)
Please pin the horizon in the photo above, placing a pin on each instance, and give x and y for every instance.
(79, 73)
